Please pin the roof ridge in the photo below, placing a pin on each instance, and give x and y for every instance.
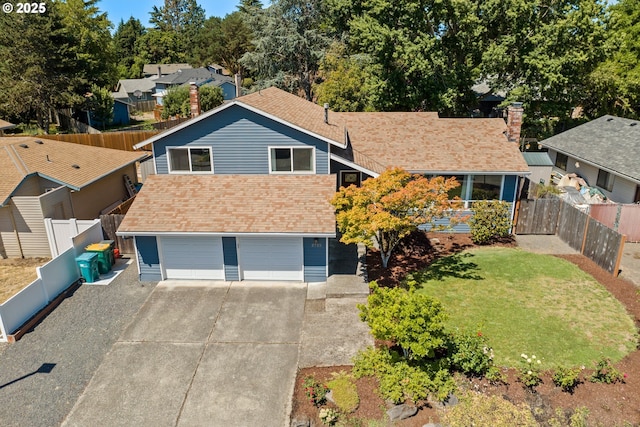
(15, 157)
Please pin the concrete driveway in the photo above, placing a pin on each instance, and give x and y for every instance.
(201, 354)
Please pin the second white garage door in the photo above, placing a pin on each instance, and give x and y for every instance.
(192, 257)
(270, 258)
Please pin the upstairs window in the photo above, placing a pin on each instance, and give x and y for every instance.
(605, 180)
(190, 159)
(291, 160)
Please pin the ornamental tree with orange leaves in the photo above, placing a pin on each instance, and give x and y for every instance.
(385, 209)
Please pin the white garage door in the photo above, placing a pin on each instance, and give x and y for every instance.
(270, 258)
(192, 257)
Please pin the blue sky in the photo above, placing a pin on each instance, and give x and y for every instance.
(123, 9)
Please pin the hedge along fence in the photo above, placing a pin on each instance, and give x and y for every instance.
(592, 239)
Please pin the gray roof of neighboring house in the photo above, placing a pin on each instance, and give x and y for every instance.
(537, 158)
(198, 75)
(152, 69)
(609, 142)
(131, 85)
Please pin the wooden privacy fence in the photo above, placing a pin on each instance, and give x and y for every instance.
(110, 224)
(625, 219)
(592, 239)
(116, 140)
(538, 218)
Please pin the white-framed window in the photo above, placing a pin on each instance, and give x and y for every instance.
(291, 160)
(190, 159)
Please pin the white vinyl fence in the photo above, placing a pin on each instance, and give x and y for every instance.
(53, 278)
(60, 232)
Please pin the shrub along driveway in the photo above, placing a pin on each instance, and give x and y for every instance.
(201, 353)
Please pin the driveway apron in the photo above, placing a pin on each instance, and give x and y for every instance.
(201, 354)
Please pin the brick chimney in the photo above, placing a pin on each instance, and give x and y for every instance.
(514, 121)
(194, 99)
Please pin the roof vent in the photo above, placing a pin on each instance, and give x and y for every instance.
(326, 113)
(75, 166)
(24, 146)
(633, 124)
(610, 119)
(37, 141)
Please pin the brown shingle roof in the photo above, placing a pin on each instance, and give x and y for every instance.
(233, 204)
(422, 142)
(297, 111)
(54, 160)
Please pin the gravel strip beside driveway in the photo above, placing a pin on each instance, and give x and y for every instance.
(75, 337)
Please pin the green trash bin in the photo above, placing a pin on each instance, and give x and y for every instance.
(102, 251)
(88, 265)
(112, 246)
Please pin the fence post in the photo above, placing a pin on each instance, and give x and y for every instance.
(584, 237)
(616, 270)
(44, 288)
(51, 236)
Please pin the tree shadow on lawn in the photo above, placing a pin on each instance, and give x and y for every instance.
(456, 265)
(420, 250)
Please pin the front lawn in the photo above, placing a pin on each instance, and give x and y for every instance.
(530, 303)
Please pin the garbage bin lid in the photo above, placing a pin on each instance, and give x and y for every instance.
(99, 247)
(87, 256)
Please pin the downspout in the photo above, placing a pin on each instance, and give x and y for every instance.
(15, 230)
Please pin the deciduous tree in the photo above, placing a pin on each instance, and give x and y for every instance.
(385, 209)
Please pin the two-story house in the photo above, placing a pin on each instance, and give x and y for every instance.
(242, 192)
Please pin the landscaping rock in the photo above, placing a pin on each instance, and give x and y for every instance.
(301, 421)
(433, 425)
(329, 397)
(400, 412)
(452, 400)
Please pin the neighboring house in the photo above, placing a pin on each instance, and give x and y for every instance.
(135, 90)
(41, 178)
(121, 112)
(604, 152)
(5, 125)
(242, 191)
(200, 76)
(159, 70)
(540, 166)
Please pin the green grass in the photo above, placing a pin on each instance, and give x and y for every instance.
(533, 304)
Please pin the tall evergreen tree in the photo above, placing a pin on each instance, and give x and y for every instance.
(38, 66)
(125, 39)
(185, 18)
(289, 44)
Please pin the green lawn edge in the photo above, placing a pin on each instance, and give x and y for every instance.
(530, 303)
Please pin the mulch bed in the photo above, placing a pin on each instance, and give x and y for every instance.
(608, 404)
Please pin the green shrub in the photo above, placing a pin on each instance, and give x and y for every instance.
(496, 376)
(567, 378)
(543, 191)
(480, 410)
(491, 220)
(400, 380)
(605, 372)
(412, 320)
(316, 392)
(328, 416)
(529, 374)
(470, 353)
(344, 392)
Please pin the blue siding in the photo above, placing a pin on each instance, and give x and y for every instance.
(148, 259)
(315, 260)
(461, 227)
(509, 188)
(228, 90)
(240, 139)
(230, 254)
